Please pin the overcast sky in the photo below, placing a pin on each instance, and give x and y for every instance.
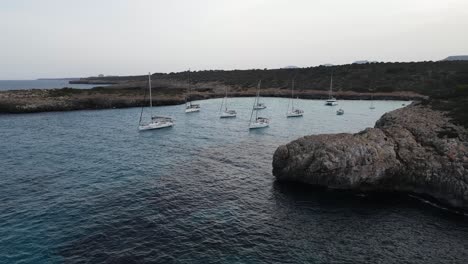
(70, 38)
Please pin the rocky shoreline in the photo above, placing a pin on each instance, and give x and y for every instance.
(414, 149)
(68, 99)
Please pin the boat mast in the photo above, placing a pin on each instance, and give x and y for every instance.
(226, 98)
(142, 107)
(258, 99)
(224, 101)
(292, 96)
(258, 91)
(373, 85)
(255, 103)
(151, 98)
(331, 87)
(190, 89)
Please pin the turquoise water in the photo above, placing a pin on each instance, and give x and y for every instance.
(87, 187)
(40, 84)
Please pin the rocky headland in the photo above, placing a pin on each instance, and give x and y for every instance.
(67, 99)
(415, 149)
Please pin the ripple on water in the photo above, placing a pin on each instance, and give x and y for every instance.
(86, 187)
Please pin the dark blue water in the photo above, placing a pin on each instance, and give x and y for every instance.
(40, 84)
(87, 187)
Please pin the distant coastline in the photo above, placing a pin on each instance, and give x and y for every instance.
(58, 79)
(6, 85)
(91, 81)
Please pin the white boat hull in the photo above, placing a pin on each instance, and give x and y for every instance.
(157, 125)
(192, 110)
(227, 115)
(294, 114)
(331, 103)
(258, 125)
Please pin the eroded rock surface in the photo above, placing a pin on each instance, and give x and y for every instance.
(413, 149)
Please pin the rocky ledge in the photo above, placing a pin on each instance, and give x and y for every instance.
(414, 149)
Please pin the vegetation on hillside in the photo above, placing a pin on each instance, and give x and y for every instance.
(455, 101)
(429, 78)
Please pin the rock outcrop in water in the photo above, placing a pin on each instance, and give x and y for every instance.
(413, 149)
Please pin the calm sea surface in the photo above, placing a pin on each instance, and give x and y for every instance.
(40, 84)
(87, 187)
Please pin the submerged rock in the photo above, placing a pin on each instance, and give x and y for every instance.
(413, 149)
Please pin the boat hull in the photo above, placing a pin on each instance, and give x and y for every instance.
(294, 115)
(259, 123)
(192, 110)
(257, 126)
(331, 103)
(225, 115)
(152, 126)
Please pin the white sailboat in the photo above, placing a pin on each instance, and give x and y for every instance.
(258, 122)
(226, 113)
(156, 122)
(331, 100)
(189, 107)
(293, 112)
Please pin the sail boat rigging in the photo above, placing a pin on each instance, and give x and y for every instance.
(226, 113)
(258, 105)
(259, 122)
(293, 112)
(331, 100)
(156, 122)
(189, 107)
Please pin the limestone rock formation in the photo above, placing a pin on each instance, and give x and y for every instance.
(413, 149)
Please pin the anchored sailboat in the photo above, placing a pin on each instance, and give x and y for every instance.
(258, 122)
(226, 113)
(331, 100)
(293, 112)
(156, 121)
(189, 107)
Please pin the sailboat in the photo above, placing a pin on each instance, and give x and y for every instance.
(226, 113)
(258, 122)
(156, 122)
(258, 105)
(331, 100)
(189, 107)
(293, 112)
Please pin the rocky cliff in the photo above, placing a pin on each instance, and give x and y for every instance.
(413, 149)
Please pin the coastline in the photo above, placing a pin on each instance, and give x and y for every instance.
(69, 99)
(414, 150)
